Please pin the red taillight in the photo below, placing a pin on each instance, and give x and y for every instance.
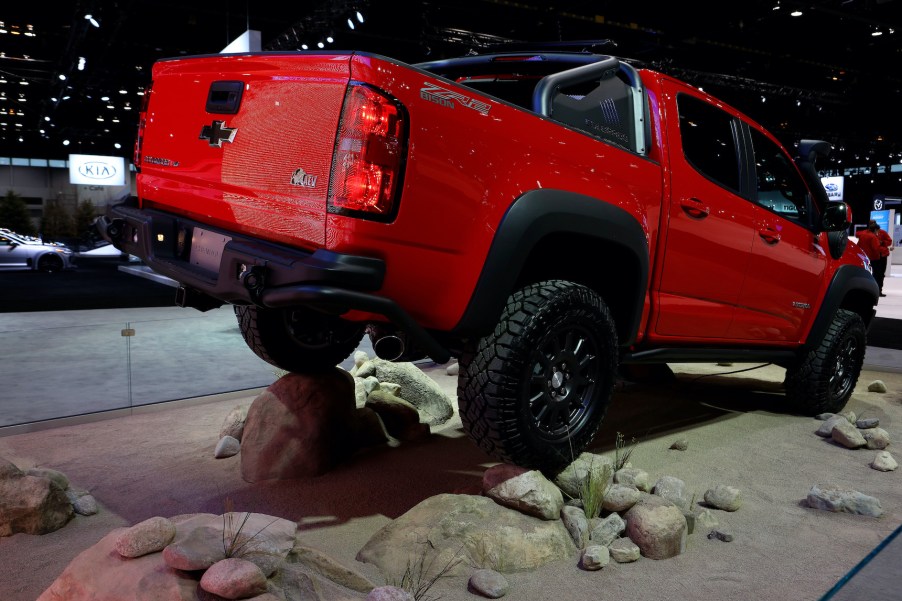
(142, 121)
(369, 153)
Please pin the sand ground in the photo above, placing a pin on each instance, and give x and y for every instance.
(738, 431)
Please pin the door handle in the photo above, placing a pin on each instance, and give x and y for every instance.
(769, 235)
(695, 208)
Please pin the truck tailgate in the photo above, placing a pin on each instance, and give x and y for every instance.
(244, 141)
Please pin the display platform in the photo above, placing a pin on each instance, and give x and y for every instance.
(161, 463)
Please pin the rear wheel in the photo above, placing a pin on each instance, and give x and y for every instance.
(298, 340)
(50, 263)
(535, 391)
(824, 379)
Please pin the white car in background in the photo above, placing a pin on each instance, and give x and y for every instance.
(26, 252)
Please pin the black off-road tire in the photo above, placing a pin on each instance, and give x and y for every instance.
(50, 263)
(299, 340)
(535, 391)
(823, 380)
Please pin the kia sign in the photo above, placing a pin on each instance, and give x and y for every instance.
(94, 170)
(833, 186)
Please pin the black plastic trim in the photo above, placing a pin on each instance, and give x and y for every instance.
(847, 278)
(532, 217)
(224, 97)
(709, 354)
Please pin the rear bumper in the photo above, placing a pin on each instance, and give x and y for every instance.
(249, 271)
(246, 267)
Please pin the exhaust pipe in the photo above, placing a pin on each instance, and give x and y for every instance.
(389, 347)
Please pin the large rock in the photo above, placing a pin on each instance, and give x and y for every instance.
(588, 465)
(234, 578)
(576, 523)
(674, 490)
(833, 498)
(727, 498)
(657, 526)
(101, 573)
(301, 426)
(31, 504)
(401, 419)
(150, 536)
(473, 529)
(204, 539)
(417, 388)
(323, 564)
(528, 491)
(296, 572)
(233, 424)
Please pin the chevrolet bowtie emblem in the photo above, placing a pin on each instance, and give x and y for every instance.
(218, 133)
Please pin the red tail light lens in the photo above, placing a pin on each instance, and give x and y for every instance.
(368, 160)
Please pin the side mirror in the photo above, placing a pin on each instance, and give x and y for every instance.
(837, 217)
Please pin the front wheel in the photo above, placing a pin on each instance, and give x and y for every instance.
(50, 263)
(823, 380)
(535, 391)
(298, 340)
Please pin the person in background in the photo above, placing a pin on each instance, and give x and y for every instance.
(876, 244)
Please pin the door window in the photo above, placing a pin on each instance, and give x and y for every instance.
(709, 141)
(780, 187)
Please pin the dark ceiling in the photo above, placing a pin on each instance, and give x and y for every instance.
(822, 74)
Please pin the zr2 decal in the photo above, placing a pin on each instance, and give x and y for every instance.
(448, 98)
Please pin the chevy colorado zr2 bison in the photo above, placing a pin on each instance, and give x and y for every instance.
(544, 217)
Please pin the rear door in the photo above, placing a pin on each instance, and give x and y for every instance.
(710, 227)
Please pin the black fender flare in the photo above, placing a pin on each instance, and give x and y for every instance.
(529, 219)
(847, 279)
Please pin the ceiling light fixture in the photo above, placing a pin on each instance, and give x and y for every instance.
(62, 77)
(320, 45)
(304, 46)
(92, 20)
(876, 33)
(359, 17)
(330, 39)
(796, 13)
(65, 142)
(350, 24)
(81, 63)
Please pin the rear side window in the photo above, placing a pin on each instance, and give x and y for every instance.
(780, 187)
(709, 141)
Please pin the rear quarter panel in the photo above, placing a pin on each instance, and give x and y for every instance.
(465, 167)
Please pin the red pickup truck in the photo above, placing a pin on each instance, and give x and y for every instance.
(542, 216)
